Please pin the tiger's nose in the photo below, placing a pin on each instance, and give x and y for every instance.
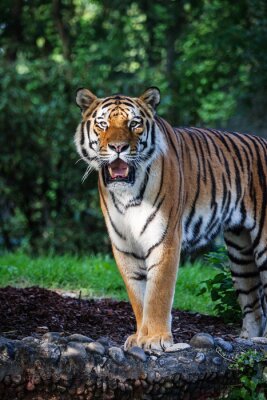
(118, 147)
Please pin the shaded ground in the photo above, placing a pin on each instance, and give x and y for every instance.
(24, 311)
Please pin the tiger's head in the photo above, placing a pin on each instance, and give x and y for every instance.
(118, 135)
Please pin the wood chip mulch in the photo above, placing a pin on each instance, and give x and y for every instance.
(29, 311)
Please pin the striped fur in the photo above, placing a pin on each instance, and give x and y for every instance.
(188, 185)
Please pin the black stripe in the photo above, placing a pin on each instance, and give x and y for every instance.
(248, 291)
(107, 105)
(116, 201)
(204, 137)
(202, 158)
(250, 274)
(168, 137)
(225, 192)
(240, 261)
(130, 254)
(243, 212)
(262, 178)
(152, 216)
(226, 164)
(149, 251)
(213, 186)
(251, 305)
(263, 266)
(82, 135)
(136, 201)
(88, 125)
(252, 310)
(237, 151)
(127, 103)
(138, 277)
(232, 244)
(221, 137)
(260, 253)
(210, 135)
(153, 266)
(227, 205)
(161, 182)
(109, 216)
(193, 208)
(237, 183)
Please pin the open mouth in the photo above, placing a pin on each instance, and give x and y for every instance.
(118, 171)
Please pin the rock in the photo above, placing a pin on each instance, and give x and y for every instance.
(244, 342)
(202, 341)
(157, 353)
(217, 360)
(52, 336)
(151, 376)
(259, 340)
(168, 385)
(30, 339)
(77, 337)
(168, 362)
(7, 351)
(184, 360)
(138, 353)
(104, 341)
(16, 378)
(30, 386)
(75, 350)
(95, 347)
(117, 354)
(224, 345)
(200, 358)
(42, 329)
(177, 347)
(157, 377)
(50, 350)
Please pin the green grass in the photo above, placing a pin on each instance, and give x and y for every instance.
(97, 276)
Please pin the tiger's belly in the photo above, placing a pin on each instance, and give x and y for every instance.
(206, 223)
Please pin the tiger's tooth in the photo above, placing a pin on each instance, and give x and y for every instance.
(110, 171)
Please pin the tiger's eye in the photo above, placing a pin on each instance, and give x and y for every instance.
(103, 124)
(134, 124)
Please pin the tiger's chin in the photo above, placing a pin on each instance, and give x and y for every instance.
(118, 173)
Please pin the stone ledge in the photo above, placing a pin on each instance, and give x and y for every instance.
(57, 367)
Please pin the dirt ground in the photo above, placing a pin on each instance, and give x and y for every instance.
(33, 311)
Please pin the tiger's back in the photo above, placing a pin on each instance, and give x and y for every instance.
(164, 188)
(227, 172)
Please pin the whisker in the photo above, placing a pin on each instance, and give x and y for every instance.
(80, 159)
(87, 173)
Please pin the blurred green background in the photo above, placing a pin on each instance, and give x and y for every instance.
(209, 58)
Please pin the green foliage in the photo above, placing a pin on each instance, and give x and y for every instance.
(95, 276)
(221, 287)
(208, 58)
(253, 382)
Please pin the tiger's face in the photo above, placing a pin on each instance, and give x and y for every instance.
(118, 135)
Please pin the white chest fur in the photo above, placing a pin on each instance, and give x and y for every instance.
(136, 228)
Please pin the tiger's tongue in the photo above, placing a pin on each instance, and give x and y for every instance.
(118, 168)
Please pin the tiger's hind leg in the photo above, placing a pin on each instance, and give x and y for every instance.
(247, 282)
(260, 252)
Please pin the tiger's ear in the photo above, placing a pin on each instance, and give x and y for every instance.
(84, 99)
(151, 97)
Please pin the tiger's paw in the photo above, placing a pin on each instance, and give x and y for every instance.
(131, 341)
(155, 342)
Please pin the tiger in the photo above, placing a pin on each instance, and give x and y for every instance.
(164, 189)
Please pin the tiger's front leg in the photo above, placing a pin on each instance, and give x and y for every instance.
(155, 331)
(133, 273)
